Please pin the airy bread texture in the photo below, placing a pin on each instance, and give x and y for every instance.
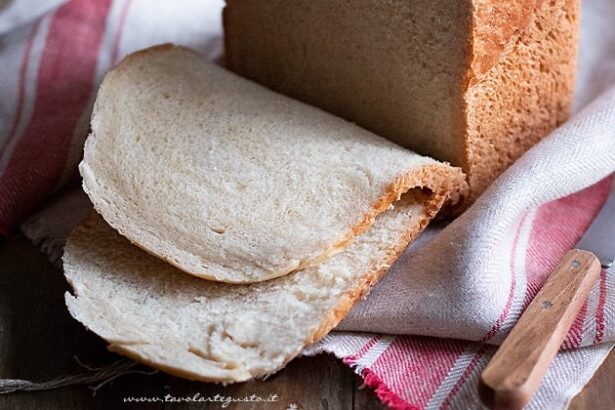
(472, 82)
(202, 330)
(229, 181)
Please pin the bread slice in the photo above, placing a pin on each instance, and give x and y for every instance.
(203, 330)
(227, 180)
(472, 82)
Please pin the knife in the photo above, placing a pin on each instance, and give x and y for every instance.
(514, 373)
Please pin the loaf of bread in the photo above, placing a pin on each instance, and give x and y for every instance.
(230, 181)
(473, 82)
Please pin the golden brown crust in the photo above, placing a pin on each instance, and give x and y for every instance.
(494, 24)
(516, 86)
(526, 95)
(146, 51)
(428, 176)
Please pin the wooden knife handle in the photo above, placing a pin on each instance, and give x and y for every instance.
(515, 372)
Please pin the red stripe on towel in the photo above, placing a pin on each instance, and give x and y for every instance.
(464, 377)
(558, 226)
(513, 285)
(415, 367)
(600, 327)
(384, 393)
(575, 334)
(65, 84)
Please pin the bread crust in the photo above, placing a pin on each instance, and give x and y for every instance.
(516, 88)
(523, 96)
(451, 190)
(422, 177)
(494, 24)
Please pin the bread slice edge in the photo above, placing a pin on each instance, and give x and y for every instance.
(448, 183)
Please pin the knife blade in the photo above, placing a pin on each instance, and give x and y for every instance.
(600, 237)
(514, 373)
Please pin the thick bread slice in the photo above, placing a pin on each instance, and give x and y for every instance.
(227, 180)
(202, 330)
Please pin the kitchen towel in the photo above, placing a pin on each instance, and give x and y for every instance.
(469, 280)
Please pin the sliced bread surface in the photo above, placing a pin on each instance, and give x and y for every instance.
(202, 330)
(227, 180)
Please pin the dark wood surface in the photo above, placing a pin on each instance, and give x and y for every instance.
(39, 341)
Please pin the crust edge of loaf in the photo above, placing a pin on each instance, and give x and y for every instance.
(450, 191)
(524, 96)
(493, 27)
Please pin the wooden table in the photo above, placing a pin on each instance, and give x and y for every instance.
(39, 340)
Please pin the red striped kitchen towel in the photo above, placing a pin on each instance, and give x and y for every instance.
(461, 288)
(50, 67)
(410, 372)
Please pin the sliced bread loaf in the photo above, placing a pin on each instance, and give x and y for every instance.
(472, 82)
(203, 330)
(229, 181)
